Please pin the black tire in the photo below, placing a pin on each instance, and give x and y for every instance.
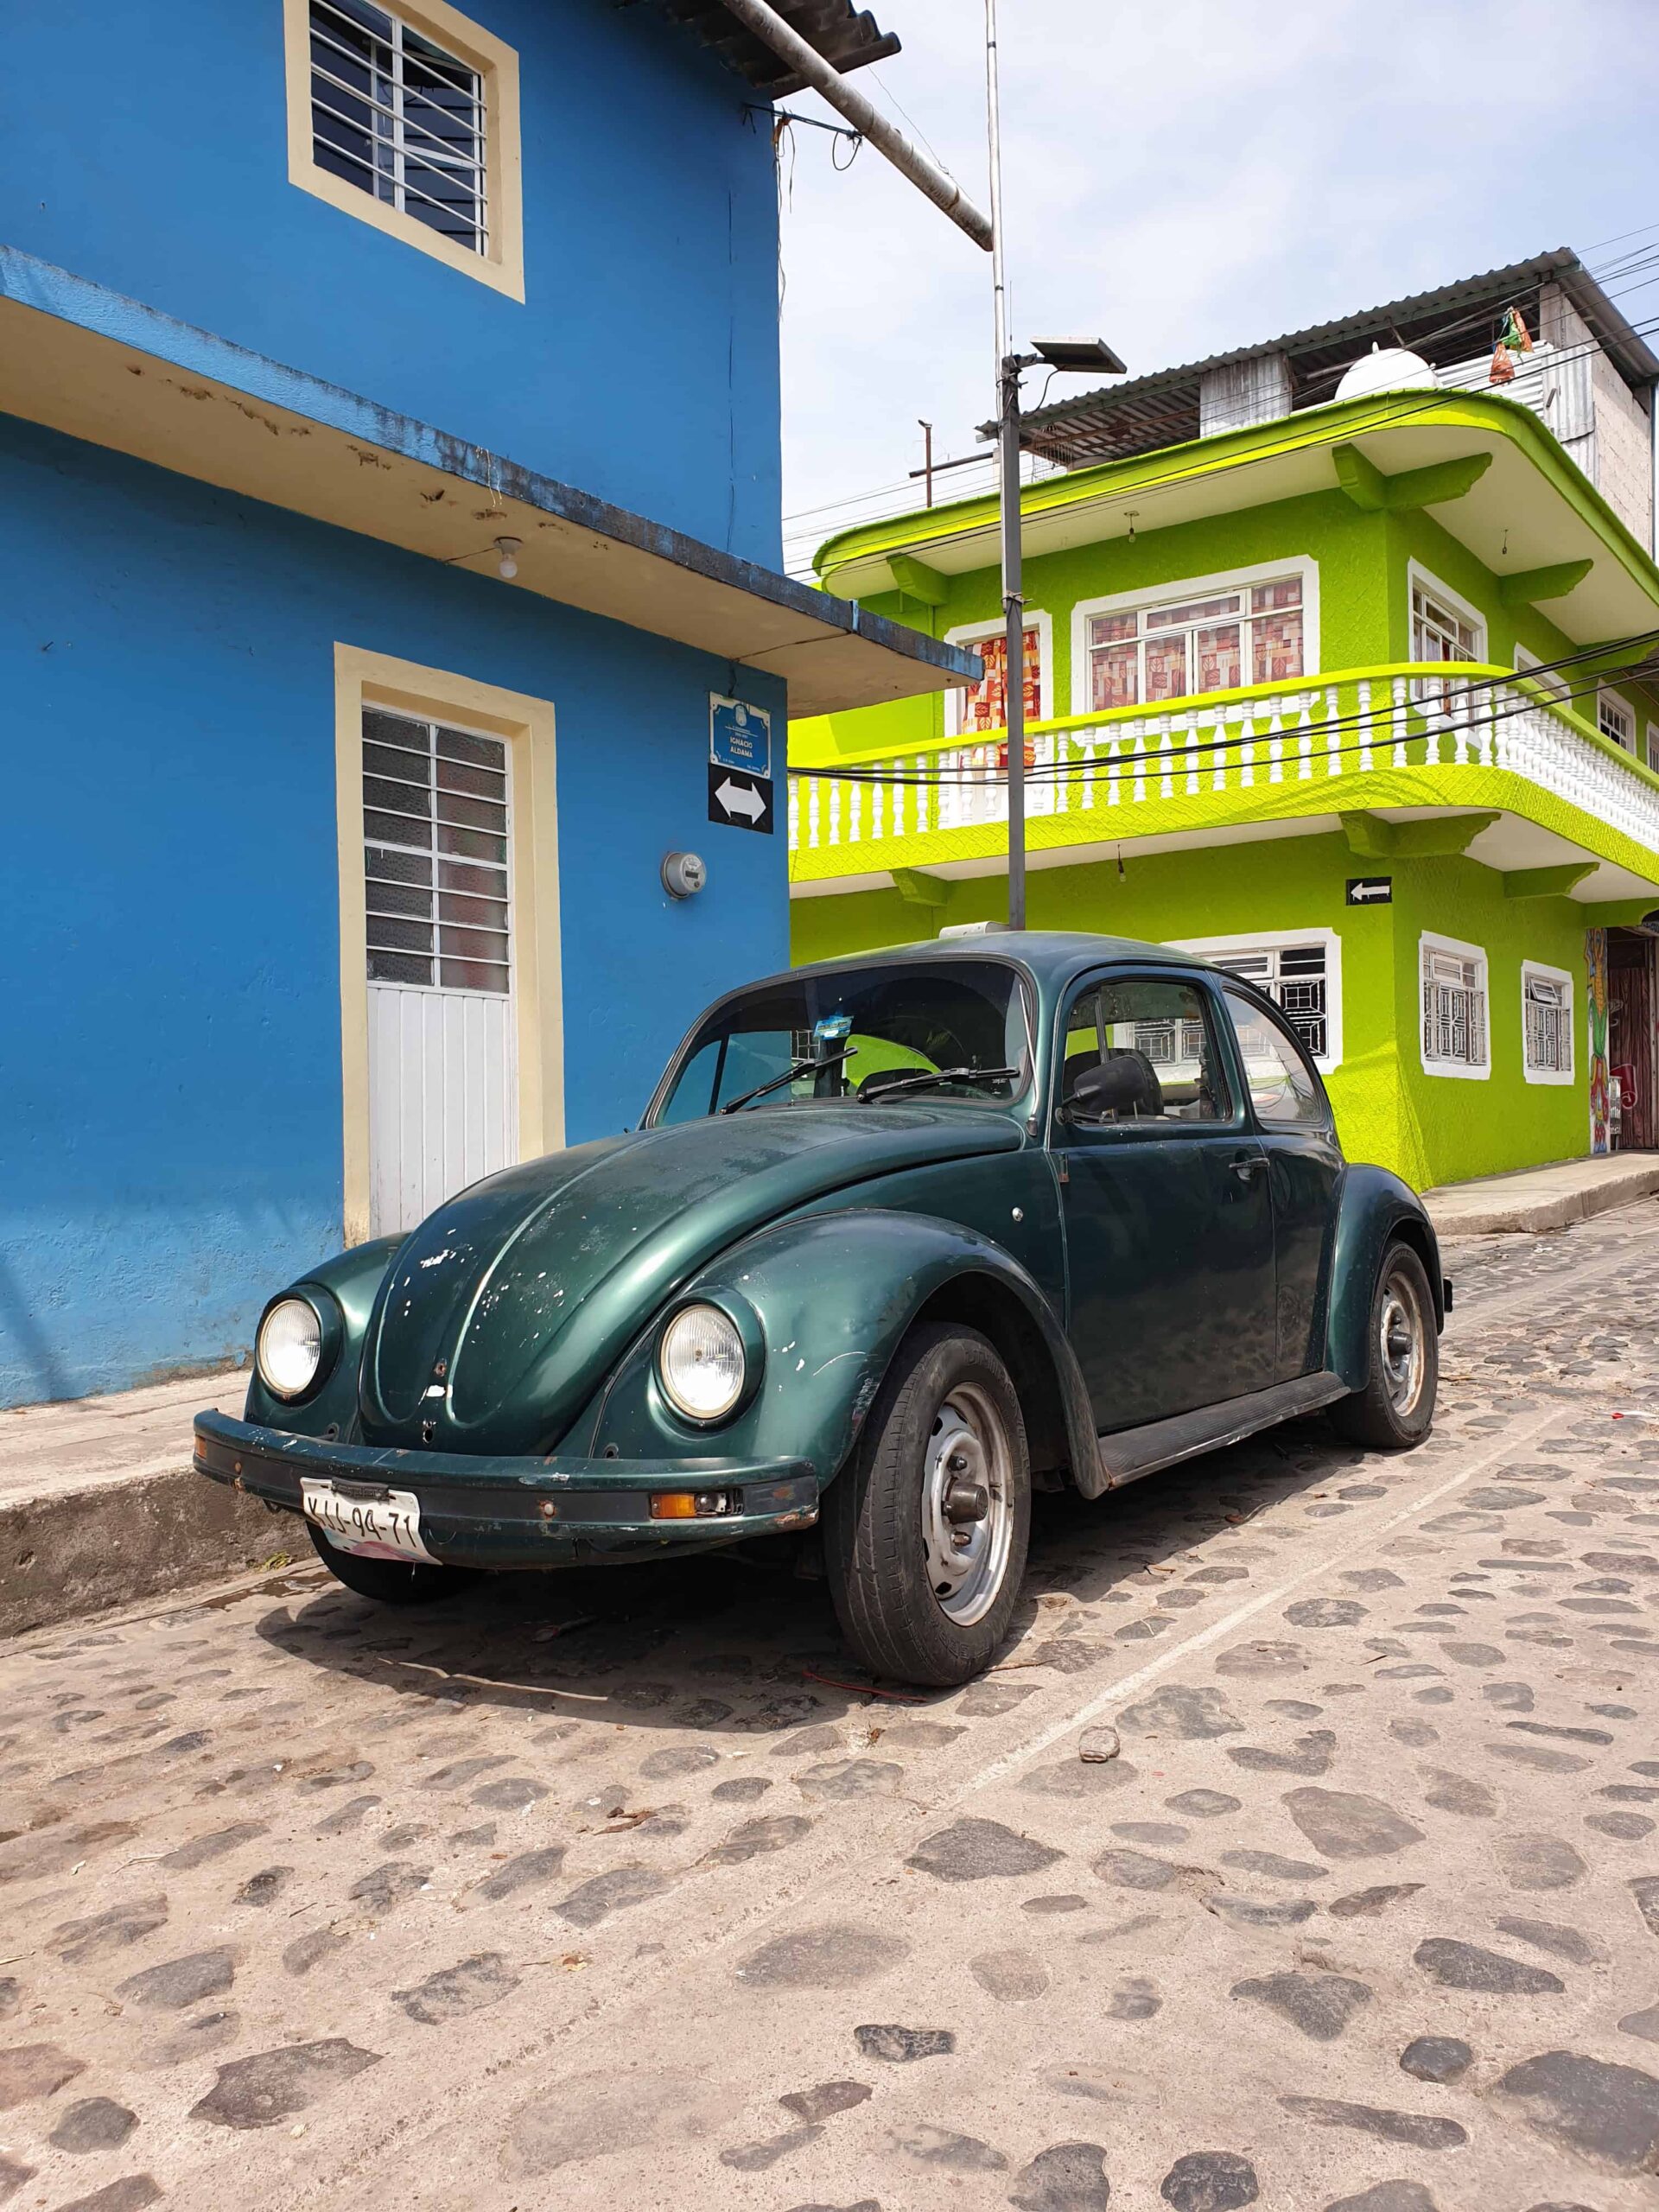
(1396, 1410)
(947, 1403)
(389, 1581)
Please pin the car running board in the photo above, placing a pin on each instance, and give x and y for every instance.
(1128, 1453)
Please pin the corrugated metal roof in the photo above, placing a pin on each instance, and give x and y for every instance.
(845, 34)
(1449, 324)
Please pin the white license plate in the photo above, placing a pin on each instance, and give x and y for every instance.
(386, 1527)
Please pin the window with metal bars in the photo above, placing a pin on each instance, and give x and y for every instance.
(1169, 1044)
(1547, 1000)
(1295, 978)
(1455, 1012)
(435, 850)
(396, 116)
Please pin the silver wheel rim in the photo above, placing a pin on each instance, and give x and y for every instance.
(1401, 1342)
(967, 1466)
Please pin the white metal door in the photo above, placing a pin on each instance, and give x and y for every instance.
(443, 1105)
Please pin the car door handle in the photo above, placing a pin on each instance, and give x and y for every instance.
(1245, 1164)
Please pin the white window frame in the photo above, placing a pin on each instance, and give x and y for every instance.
(1569, 1074)
(1652, 746)
(1547, 679)
(501, 264)
(1218, 948)
(1609, 700)
(1430, 942)
(973, 633)
(1418, 578)
(1183, 587)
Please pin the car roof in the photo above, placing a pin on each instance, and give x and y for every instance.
(1051, 955)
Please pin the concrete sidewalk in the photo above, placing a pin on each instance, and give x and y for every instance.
(100, 1507)
(1533, 1198)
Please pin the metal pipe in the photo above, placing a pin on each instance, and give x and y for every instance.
(993, 146)
(1013, 607)
(1007, 410)
(827, 80)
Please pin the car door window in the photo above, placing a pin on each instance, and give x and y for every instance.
(1285, 1089)
(1143, 1049)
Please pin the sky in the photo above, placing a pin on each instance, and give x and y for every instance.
(1182, 177)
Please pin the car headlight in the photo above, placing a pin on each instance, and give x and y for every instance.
(701, 1363)
(290, 1350)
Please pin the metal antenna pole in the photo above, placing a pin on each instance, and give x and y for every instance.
(927, 458)
(1008, 377)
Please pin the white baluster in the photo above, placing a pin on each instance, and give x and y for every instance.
(1189, 756)
(794, 814)
(1140, 743)
(1367, 728)
(834, 811)
(1275, 743)
(812, 838)
(1218, 752)
(1400, 728)
(1305, 740)
(1332, 734)
(1091, 745)
(1113, 797)
(1246, 751)
(1165, 746)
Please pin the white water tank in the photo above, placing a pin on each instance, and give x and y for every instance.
(1386, 368)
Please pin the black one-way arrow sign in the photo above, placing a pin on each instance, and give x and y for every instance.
(740, 801)
(1370, 891)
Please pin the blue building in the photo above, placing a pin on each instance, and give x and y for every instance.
(389, 455)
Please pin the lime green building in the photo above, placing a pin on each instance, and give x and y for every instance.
(1342, 668)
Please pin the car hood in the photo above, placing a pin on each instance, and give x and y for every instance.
(503, 1311)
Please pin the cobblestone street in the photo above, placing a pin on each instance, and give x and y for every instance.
(617, 1889)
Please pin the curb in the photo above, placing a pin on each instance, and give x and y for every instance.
(72, 1554)
(1533, 1215)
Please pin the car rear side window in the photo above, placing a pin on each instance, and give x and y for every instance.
(1285, 1090)
(1142, 1048)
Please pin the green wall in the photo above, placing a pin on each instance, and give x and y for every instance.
(1429, 1129)
(1364, 601)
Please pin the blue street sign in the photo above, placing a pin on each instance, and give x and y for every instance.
(740, 736)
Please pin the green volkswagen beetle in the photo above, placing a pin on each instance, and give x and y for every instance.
(898, 1238)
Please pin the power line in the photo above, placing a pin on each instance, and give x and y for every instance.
(1159, 760)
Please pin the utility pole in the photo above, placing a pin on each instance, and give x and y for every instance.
(1007, 411)
(1084, 354)
(927, 458)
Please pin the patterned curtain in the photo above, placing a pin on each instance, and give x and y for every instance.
(1595, 965)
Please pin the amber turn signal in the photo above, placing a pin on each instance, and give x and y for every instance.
(690, 1504)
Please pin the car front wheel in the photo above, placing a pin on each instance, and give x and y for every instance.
(391, 1581)
(925, 1529)
(1396, 1408)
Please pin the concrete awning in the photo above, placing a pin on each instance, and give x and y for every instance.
(86, 361)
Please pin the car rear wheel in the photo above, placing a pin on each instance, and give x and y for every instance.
(925, 1529)
(391, 1581)
(1395, 1409)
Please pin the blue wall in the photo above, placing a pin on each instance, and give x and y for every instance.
(170, 1140)
(642, 365)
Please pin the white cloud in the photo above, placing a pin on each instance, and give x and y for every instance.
(1186, 177)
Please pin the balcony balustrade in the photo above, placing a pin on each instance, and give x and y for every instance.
(1265, 750)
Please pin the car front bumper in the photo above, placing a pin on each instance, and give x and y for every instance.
(477, 1511)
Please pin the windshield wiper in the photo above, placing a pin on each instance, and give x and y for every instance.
(930, 1075)
(792, 1074)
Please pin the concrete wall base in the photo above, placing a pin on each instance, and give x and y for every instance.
(73, 1554)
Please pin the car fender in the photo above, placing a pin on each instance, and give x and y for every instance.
(1373, 1208)
(352, 1280)
(834, 1297)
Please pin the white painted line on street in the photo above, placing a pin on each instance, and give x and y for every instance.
(1363, 1537)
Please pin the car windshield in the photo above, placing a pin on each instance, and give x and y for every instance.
(856, 1033)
